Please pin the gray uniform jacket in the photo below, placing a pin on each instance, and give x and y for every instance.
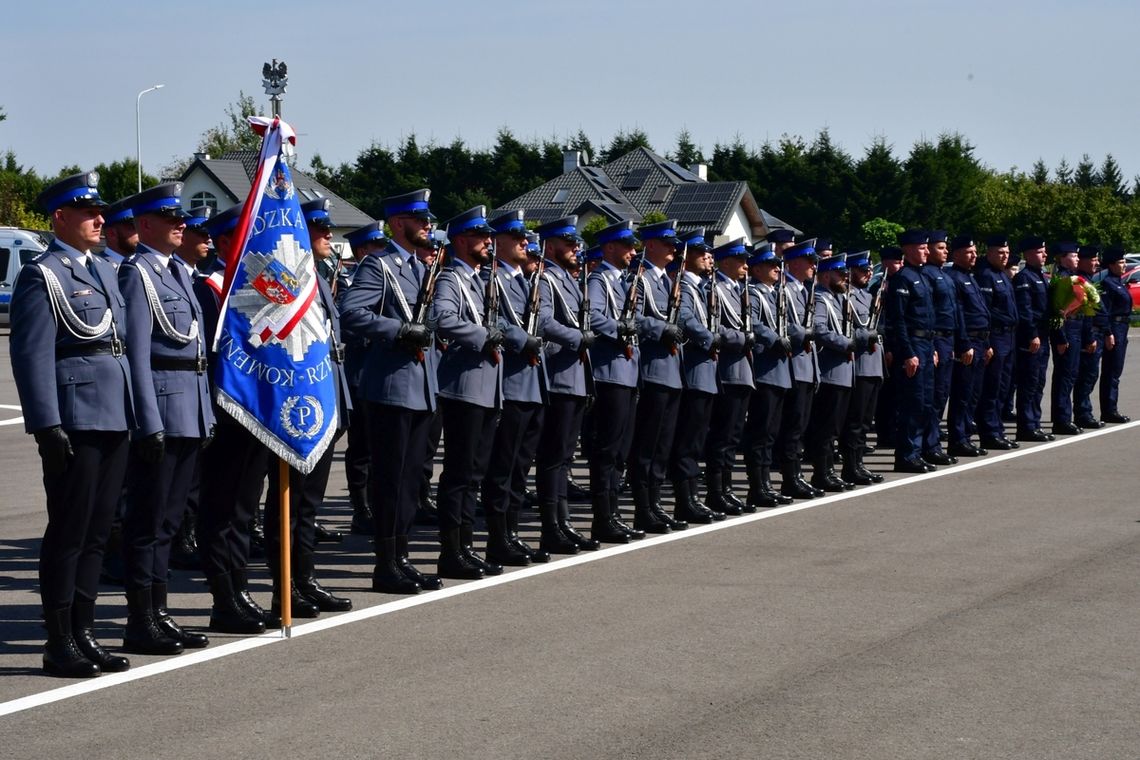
(466, 371)
(608, 292)
(835, 363)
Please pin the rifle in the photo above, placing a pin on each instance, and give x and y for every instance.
(713, 303)
(782, 306)
(809, 315)
(334, 278)
(848, 321)
(746, 307)
(584, 302)
(629, 308)
(530, 318)
(491, 302)
(674, 311)
(427, 295)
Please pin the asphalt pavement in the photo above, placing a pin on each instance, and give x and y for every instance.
(988, 610)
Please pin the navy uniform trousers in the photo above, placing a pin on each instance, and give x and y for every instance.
(1112, 366)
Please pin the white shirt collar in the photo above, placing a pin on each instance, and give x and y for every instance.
(510, 270)
(82, 256)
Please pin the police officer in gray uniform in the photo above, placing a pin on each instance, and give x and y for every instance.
(167, 352)
(68, 325)
(868, 364)
(397, 383)
(835, 351)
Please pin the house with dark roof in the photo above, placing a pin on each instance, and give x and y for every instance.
(633, 185)
(222, 182)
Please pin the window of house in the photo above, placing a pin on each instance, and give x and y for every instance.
(204, 199)
(561, 196)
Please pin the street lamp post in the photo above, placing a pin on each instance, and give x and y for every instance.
(138, 130)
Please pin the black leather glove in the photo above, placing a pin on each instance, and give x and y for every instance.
(627, 328)
(588, 338)
(55, 450)
(494, 338)
(533, 345)
(716, 344)
(786, 345)
(749, 341)
(413, 335)
(873, 338)
(671, 335)
(151, 448)
(851, 346)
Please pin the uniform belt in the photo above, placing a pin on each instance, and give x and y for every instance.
(114, 348)
(943, 333)
(979, 334)
(921, 333)
(1000, 330)
(1120, 320)
(336, 352)
(179, 365)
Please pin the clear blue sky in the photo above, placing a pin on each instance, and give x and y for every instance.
(1021, 80)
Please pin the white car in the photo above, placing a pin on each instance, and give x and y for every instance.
(17, 247)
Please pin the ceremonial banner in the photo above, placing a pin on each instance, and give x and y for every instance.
(274, 373)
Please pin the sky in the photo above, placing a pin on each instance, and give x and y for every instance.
(1049, 79)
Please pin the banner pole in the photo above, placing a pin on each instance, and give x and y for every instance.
(286, 563)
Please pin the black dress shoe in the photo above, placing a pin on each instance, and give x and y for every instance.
(999, 444)
(633, 533)
(1116, 417)
(645, 521)
(1034, 436)
(816, 492)
(325, 535)
(913, 465)
(1066, 428)
(939, 457)
(389, 578)
(855, 477)
(553, 542)
(663, 516)
(796, 489)
(583, 543)
(967, 449)
(325, 600)
(874, 476)
(63, 659)
(606, 533)
(188, 639)
(90, 648)
(1091, 423)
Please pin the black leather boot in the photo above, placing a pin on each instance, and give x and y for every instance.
(567, 529)
(500, 550)
(426, 582)
(759, 496)
(714, 494)
(727, 494)
(793, 484)
(299, 606)
(535, 555)
(453, 561)
(602, 528)
(188, 639)
(362, 522)
(388, 577)
(467, 544)
(658, 511)
(257, 534)
(314, 592)
(62, 656)
(240, 581)
(616, 520)
(143, 634)
(684, 508)
(766, 483)
(643, 518)
(83, 630)
(862, 470)
(851, 471)
(553, 541)
(184, 546)
(726, 507)
(228, 614)
(326, 535)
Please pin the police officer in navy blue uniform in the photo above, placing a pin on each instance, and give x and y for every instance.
(655, 420)
(470, 393)
(1118, 311)
(306, 491)
(971, 348)
(1067, 339)
(998, 291)
(700, 319)
(1095, 327)
(75, 391)
(868, 366)
(567, 342)
(1032, 340)
(397, 384)
(886, 405)
(120, 233)
(834, 338)
(910, 332)
(167, 351)
(614, 315)
(236, 464)
(945, 324)
(364, 241)
(799, 271)
(734, 373)
(524, 386)
(772, 374)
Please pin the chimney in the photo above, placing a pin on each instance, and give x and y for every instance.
(201, 156)
(572, 159)
(701, 170)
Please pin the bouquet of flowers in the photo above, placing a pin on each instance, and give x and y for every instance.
(1072, 296)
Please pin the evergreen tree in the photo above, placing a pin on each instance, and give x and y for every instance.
(624, 142)
(1040, 173)
(1111, 176)
(1064, 173)
(1085, 175)
(687, 152)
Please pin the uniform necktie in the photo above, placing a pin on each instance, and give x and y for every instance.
(176, 270)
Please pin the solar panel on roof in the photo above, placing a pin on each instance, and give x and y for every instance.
(635, 179)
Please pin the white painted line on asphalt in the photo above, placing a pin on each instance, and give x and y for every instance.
(14, 420)
(387, 608)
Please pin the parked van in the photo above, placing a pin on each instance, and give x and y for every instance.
(17, 247)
